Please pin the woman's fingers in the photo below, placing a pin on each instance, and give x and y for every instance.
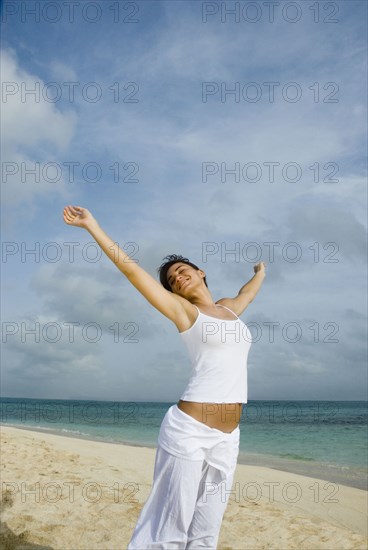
(77, 210)
(74, 211)
(69, 215)
(76, 215)
(68, 218)
(70, 212)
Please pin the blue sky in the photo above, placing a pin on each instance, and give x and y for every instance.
(178, 62)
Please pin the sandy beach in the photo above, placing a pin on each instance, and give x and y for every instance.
(66, 493)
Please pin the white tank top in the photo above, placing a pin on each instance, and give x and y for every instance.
(218, 350)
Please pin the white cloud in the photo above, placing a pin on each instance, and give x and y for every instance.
(29, 121)
(34, 133)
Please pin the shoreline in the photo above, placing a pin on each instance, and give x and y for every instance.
(68, 493)
(314, 470)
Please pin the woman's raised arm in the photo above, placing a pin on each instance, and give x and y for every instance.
(166, 302)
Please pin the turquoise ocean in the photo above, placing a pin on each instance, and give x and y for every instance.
(322, 439)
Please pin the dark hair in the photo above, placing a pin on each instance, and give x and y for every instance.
(170, 260)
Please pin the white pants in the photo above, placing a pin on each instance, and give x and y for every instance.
(189, 496)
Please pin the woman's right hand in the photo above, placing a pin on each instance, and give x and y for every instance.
(78, 216)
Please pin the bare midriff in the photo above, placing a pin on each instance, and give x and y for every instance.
(222, 416)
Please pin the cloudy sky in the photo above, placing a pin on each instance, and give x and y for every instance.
(185, 127)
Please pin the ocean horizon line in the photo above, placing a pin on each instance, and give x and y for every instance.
(175, 401)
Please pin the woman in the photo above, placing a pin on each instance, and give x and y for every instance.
(198, 443)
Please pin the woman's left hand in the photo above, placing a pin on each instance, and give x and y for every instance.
(260, 267)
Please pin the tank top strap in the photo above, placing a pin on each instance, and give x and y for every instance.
(228, 310)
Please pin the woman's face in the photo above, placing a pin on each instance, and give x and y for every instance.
(181, 277)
